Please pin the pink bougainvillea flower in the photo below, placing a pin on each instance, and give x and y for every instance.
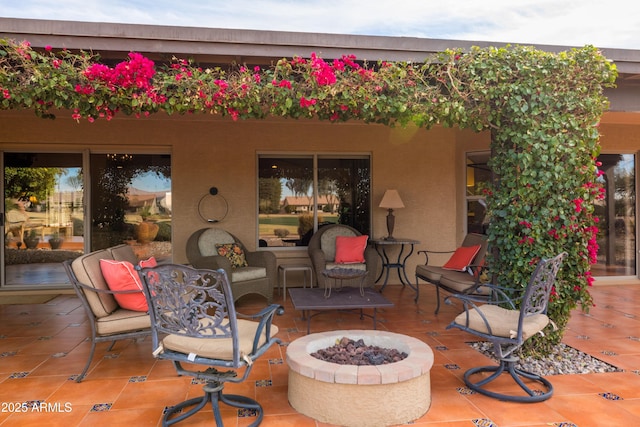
(306, 103)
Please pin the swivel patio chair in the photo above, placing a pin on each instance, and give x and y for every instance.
(194, 321)
(508, 329)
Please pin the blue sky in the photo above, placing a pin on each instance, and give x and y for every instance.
(556, 22)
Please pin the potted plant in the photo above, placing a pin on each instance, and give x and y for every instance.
(55, 241)
(31, 240)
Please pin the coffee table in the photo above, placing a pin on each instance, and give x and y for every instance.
(345, 298)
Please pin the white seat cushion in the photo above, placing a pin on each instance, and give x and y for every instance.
(243, 274)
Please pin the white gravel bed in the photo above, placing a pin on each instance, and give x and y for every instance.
(563, 360)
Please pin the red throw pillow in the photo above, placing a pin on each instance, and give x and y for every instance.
(350, 250)
(122, 276)
(461, 258)
(148, 263)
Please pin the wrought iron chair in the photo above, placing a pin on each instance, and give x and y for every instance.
(109, 322)
(194, 321)
(454, 282)
(508, 328)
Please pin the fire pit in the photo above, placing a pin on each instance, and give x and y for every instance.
(360, 396)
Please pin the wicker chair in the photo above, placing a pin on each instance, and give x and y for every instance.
(259, 276)
(322, 251)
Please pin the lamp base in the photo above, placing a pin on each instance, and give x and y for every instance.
(391, 222)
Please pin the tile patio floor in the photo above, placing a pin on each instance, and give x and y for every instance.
(43, 345)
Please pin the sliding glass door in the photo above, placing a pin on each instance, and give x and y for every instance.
(59, 205)
(43, 217)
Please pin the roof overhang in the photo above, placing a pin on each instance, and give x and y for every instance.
(254, 46)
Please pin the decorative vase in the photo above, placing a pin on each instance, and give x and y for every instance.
(55, 242)
(31, 242)
(146, 231)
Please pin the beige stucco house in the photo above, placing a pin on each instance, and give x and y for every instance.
(430, 169)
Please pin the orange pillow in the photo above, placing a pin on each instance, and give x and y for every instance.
(461, 258)
(350, 250)
(122, 276)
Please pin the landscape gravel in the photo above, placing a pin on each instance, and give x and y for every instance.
(562, 360)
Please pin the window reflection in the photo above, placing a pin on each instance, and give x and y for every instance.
(616, 213)
(131, 202)
(478, 179)
(294, 198)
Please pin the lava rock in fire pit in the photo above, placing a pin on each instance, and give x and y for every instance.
(349, 352)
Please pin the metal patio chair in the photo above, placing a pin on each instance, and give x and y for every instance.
(508, 328)
(194, 321)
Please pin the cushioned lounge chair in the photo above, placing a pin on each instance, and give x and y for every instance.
(453, 281)
(258, 275)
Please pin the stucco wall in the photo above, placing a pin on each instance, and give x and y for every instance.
(427, 167)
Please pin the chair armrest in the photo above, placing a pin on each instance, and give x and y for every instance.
(426, 253)
(498, 295)
(318, 262)
(266, 259)
(106, 291)
(265, 319)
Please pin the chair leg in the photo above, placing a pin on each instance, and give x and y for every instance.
(212, 393)
(86, 367)
(437, 299)
(508, 365)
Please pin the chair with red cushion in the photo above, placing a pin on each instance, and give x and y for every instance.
(341, 246)
(109, 321)
(460, 274)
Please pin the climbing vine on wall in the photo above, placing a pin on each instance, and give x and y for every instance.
(541, 108)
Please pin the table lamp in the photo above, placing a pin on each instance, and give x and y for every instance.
(391, 200)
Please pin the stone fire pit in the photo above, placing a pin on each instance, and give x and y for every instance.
(360, 396)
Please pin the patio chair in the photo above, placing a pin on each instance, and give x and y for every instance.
(322, 253)
(461, 274)
(194, 321)
(251, 272)
(109, 321)
(508, 329)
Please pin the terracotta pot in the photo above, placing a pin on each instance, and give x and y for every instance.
(146, 231)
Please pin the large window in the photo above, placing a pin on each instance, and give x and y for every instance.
(299, 193)
(478, 177)
(131, 202)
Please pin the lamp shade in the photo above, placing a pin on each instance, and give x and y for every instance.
(391, 200)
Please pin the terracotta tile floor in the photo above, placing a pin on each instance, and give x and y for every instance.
(43, 345)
